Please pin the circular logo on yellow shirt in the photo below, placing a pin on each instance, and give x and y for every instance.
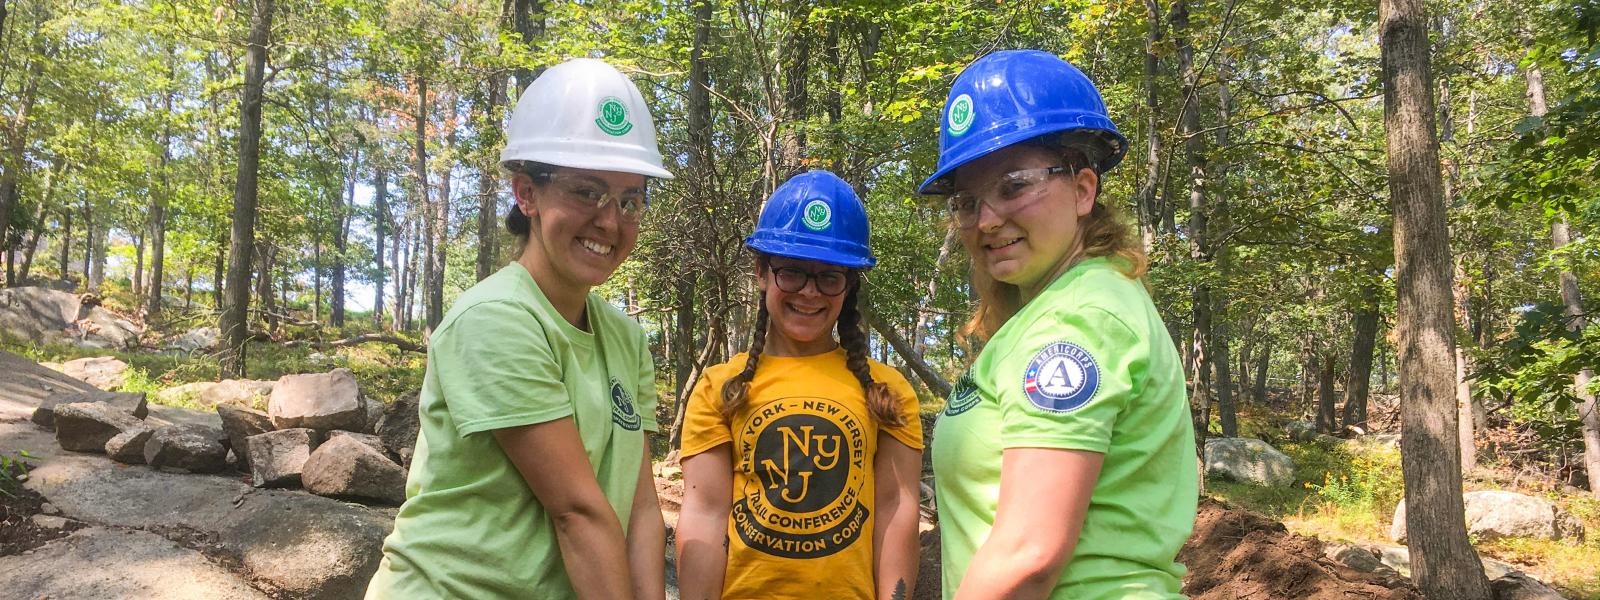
(805, 460)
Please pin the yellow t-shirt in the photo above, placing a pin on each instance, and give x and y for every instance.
(803, 486)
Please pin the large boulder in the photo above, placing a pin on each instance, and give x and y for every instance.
(133, 403)
(43, 315)
(400, 423)
(104, 372)
(292, 544)
(1519, 586)
(1494, 514)
(87, 426)
(277, 458)
(194, 340)
(186, 447)
(370, 440)
(98, 563)
(128, 447)
(318, 400)
(238, 424)
(343, 467)
(1249, 460)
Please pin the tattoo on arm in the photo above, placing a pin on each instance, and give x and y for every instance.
(899, 590)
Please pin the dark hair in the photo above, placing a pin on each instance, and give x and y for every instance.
(880, 399)
(516, 222)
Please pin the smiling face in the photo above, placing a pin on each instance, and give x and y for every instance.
(1035, 241)
(801, 322)
(572, 245)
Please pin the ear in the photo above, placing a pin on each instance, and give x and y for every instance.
(1086, 184)
(523, 187)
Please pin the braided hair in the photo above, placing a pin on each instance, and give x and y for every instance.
(880, 400)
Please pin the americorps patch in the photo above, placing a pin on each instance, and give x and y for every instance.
(1062, 377)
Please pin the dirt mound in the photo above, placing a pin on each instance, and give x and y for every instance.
(1239, 554)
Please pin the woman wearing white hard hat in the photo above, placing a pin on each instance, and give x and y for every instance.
(531, 476)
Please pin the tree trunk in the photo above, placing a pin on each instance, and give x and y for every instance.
(1149, 212)
(529, 18)
(88, 243)
(1572, 298)
(489, 121)
(235, 326)
(13, 161)
(341, 236)
(218, 271)
(699, 174)
(58, 169)
(441, 227)
(1443, 563)
(66, 241)
(316, 277)
(380, 223)
(1326, 421)
(796, 70)
(138, 260)
(1199, 244)
(266, 252)
(1366, 334)
(1227, 414)
(925, 313)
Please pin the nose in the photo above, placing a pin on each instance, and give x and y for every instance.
(989, 221)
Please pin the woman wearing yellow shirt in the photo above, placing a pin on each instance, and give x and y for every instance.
(801, 457)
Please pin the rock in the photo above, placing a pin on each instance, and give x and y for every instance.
(400, 423)
(346, 468)
(49, 522)
(320, 401)
(1519, 586)
(102, 564)
(128, 447)
(1495, 514)
(193, 340)
(104, 372)
(1359, 558)
(374, 410)
(405, 458)
(1399, 559)
(1300, 431)
(370, 440)
(277, 458)
(87, 426)
(187, 447)
(43, 315)
(238, 424)
(293, 544)
(49, 509)
(1249, 460)
(133, 403)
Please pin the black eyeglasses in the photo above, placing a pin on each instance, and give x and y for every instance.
(829, 283)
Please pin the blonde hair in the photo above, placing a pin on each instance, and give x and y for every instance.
(1103, 232)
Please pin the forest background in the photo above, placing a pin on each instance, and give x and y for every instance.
(326, 171)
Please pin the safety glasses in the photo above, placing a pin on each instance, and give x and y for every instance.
(1010, 193)
(829, 282)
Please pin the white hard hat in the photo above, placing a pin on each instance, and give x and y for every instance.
(584, 114)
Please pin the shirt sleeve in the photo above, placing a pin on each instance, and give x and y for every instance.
(908, 406)
(704, 427)
(646, 399)
(1065, 385)
(513, 381)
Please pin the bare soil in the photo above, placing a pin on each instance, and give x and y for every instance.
(18, 505)
(1239, 554)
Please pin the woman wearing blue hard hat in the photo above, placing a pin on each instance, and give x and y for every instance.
(1064, 460)
(531, 476)
(802, 456)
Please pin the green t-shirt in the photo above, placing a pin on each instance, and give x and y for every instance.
(1087, 365)
(503, 357)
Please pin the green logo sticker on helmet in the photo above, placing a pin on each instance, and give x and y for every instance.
(959, 118)
(613, 117)
(817, 215)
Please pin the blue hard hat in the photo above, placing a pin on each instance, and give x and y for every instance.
(814, 216)
(1017, 95)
